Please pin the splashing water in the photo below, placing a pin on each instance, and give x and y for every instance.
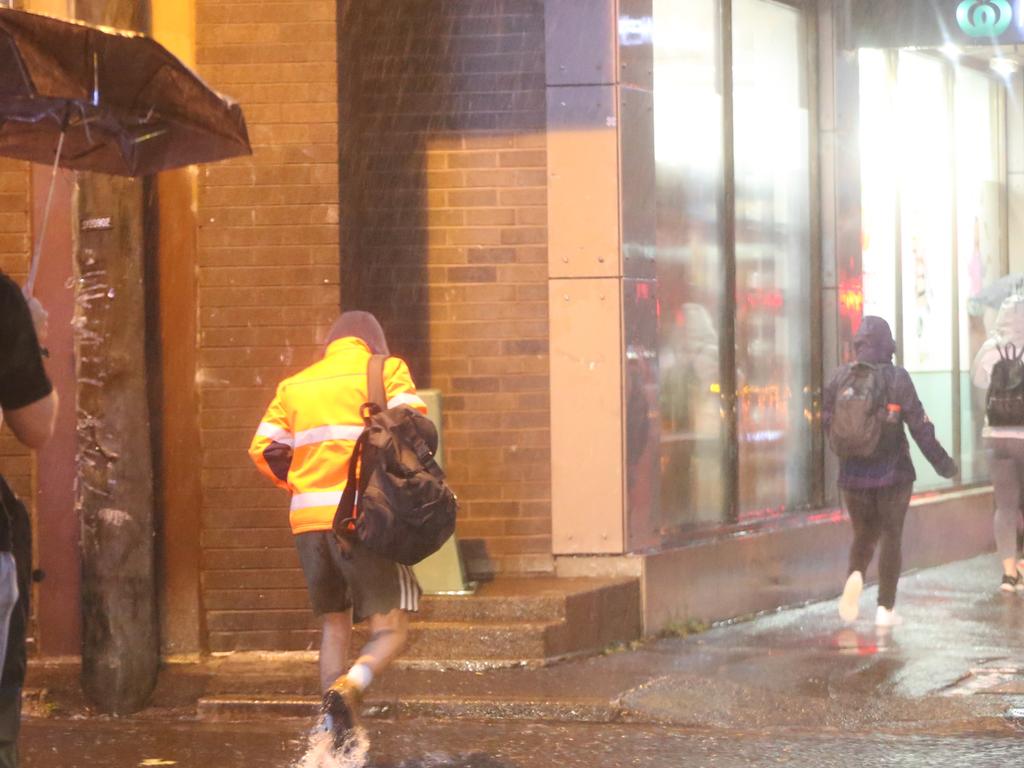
(319, 754)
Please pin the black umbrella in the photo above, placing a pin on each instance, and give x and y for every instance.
(93, 98)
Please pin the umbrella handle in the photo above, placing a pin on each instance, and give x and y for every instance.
(38, 250)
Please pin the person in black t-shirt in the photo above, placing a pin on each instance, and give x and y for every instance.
(28, 405)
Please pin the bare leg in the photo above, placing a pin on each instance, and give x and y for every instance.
(388, 633)
(334, 644)
(1006, 485)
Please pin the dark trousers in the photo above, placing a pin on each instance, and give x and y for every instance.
(878, 513)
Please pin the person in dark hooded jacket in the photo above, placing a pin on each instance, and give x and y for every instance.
(877, 488)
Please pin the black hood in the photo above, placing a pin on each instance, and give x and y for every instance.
(874, 342)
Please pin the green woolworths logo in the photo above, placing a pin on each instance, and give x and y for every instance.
(984, 18)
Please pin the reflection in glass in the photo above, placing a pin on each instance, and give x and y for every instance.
(945, 165)
(773, 257)
(979, 260)
(926, 210)
(688, 154)
(878, 187)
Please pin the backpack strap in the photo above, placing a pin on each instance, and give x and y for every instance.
(359, 472)
(344, 524)
(375, 381)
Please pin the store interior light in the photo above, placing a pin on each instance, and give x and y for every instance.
(951, 51)
(1004, 67)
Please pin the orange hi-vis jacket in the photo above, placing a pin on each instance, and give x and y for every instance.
(305, 440)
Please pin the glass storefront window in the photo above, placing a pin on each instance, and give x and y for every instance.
(926, 215)
(688, 156)
(931, 172)
(773, 256)
(979, 251)
(878, 188)
(772, 225)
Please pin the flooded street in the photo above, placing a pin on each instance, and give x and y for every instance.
(793, 687)
(432, 744)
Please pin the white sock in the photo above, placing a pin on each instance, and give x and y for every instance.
(361, 676)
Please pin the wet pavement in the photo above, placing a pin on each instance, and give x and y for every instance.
(434, 744)
(792, 687)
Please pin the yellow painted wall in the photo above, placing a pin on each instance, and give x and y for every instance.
(58, 8)
(174, 26)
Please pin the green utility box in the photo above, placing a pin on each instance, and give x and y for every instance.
(443, 572)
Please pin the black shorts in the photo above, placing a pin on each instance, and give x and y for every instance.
(359, 579)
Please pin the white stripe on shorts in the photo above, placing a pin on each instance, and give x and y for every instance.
(410, 589)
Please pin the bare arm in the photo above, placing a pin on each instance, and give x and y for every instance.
(33, 425)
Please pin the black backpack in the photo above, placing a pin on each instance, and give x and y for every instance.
(1004, 402)
(403, 510)
(859, 414)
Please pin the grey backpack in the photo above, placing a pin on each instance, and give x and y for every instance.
(858, 417)
(396, 501)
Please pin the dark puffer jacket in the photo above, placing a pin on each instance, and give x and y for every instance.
(891, 464)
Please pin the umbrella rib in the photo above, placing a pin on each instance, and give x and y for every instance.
(34, 268)
(142, 89)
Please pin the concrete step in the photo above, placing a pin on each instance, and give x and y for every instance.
(523, 641)
(519, 599)
(247, 708)
(510, 621)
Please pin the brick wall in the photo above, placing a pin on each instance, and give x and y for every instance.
(268, 287)
(443, 225)
(440, 222)
(15, 243)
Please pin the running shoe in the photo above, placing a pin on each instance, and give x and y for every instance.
(887, 617)
(1011, 583)
(340, 709)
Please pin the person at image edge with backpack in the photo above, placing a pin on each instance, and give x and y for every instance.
(304, 444)
(866, 404)
(999, 369)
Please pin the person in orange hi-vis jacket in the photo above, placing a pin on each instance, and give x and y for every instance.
(304, 444)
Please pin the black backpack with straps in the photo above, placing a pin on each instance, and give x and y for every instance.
(1004, 402)
(859, 413)
(396, 501)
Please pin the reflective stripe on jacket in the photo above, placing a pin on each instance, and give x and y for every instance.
(306, 438)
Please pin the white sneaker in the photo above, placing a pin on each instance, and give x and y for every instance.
(886, 618)
(849, 603)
